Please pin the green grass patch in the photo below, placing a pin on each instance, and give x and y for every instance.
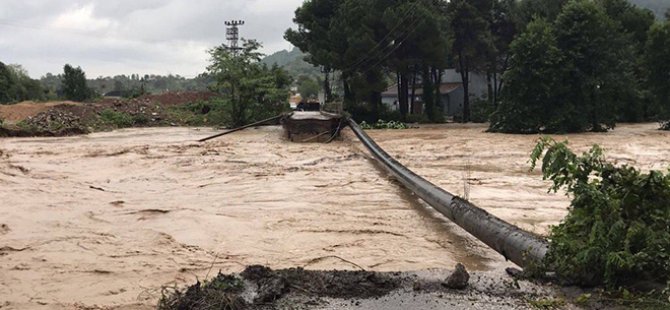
(201, 113)
(116, 119)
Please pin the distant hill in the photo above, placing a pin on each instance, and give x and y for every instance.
(659, 7)
(284, 57)
(293, 62)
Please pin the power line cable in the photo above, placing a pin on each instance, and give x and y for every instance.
(395, 47)
(371, 53)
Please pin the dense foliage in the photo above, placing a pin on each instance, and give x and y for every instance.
(252, 90)
(618, 230)
(592, 76)
(74, 84)
(16, 85)
(658, 60)
(600, 78)
(534, 90)
(374, 44)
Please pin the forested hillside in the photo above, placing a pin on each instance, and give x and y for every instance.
(293, 62)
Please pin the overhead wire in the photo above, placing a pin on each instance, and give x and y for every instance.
(370, 55)
(394, 48)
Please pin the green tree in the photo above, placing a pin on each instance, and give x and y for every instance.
(503, 24)
(74, 84)
(632, 24)
(16, 85)
(471, 40)
(6, 84)
(532, 98)
(252, 90)
(581, 82)
(366, 39)
(657, 58)
(307, 87)
(28, 88)
(595, 60)
(317, 36)
(532, 9)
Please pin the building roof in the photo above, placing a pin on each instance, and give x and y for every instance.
(445, 88)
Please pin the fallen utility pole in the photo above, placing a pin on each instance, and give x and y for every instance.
(242, 128)
(515, 244)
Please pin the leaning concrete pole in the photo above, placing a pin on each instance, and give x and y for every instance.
(515, 244)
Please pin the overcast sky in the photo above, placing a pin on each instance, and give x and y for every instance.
(109, 37)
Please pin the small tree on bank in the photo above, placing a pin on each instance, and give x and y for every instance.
(74, 84)
(617, 232)
(533, 96)
(577, 85)
(252, 91)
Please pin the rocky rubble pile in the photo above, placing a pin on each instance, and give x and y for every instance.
(55, 122)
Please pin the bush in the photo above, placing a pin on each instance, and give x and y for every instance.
(481, 111)
(117, 119)
(617, 232)
(418, 118)
(211, 112)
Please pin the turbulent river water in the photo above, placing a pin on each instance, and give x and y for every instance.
(108, 219)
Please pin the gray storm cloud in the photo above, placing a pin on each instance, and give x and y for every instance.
(132, 36)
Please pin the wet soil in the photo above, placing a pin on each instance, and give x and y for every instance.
(66, 118)
(108, 219)
(259, 287)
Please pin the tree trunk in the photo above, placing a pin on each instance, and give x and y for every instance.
(375, 97)
(428, 93)
(490, 87)
(500, 80)
(411, 106)
(402, 96)
(326, 86)
(495, 90)
(465, 79)
(348, 96)
(437, 75)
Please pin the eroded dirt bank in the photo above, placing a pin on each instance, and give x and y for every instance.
(107, 219)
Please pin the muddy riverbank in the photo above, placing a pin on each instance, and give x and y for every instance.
(108, 219)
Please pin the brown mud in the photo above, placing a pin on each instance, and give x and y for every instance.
(259, 287)
(108, 219)
(67, 118)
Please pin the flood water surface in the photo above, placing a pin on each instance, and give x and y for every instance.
(109, 218)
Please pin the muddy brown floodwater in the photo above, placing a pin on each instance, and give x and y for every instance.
(108, 219)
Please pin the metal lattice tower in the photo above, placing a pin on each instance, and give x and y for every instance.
(233, 35)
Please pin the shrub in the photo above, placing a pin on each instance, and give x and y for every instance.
(418, 118)
(201, 113)
(115, 118)
(481, 111)
(617, 232)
